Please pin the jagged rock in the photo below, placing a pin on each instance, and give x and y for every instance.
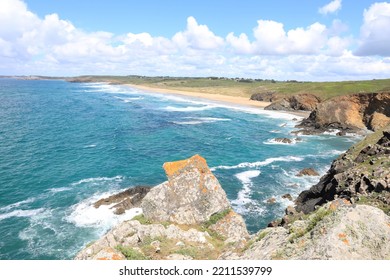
(280, 105)
(133, 234)
(232, 227)
(350, 113)
(125, 200)
(271, 200)
(190, 196)
(352, 174)
(182, 209)
(347, 232)
(266, 96)
(303, 102)
(283, 140)
(378, 120)
(287, 196)
(307, 172)
(109, 254)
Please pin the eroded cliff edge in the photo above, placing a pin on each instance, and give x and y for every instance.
(189, 216)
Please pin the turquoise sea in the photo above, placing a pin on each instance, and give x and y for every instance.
(65, 145)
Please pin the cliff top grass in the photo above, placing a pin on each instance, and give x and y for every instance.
(368, 140)
(247, 87)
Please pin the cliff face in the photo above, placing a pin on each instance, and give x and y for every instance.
(304, 102)
(363, 171)
(351, 112)
(344, 216)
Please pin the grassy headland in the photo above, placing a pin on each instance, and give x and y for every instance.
(246, 87)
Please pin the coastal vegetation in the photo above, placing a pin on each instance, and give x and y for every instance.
(239, 86)
(246, 87)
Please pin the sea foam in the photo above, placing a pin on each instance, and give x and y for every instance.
(84, 214)
(258, 163)
(243, 203)
(21, 213)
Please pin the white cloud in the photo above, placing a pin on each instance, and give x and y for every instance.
(375, 31)
(272, 39)
(50, 45)
(197, 36)
(331, 7)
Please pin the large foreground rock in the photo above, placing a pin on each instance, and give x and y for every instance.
(346, 232)
(190, 196)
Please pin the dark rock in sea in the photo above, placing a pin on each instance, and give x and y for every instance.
(287, 196)
(307, 172)
(283, 140)
(125, 200)
(271, 200)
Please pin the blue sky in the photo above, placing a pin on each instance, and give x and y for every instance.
(165, 18)
(279, 39)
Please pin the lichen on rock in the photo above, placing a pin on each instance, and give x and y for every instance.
(190, 196)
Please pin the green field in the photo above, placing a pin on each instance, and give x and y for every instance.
(247, 87)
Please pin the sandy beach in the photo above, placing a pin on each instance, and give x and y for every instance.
(235, 100)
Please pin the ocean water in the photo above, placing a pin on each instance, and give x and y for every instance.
(65, 145)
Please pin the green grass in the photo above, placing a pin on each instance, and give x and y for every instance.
(215, 218)
(235, 87)
(130, 253)
(141, 218)
(313, 220)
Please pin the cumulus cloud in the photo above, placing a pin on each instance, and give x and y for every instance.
(49, 45)
(272, 39)
(375, 31)
(197, 36)
(331, 7)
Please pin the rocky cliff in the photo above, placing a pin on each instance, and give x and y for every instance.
(345, 216)
(363, 172)
(350, 113)
(304, 102)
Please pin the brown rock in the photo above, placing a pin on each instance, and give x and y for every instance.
(287, 196)
(190, 196)
(271, 200)
(378, 121)
(283, 140)
(125, 200)
(300, 102)
(351, 112)
(307, 172)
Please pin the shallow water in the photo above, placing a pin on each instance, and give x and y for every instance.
(65, 145)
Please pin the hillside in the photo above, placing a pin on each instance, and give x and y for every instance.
(245, 87)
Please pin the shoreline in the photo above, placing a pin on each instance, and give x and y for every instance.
(234, 100)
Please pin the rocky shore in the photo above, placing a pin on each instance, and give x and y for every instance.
(344, 216)
(354, 113)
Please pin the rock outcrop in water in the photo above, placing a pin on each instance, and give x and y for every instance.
(345, 216)
(130, 198)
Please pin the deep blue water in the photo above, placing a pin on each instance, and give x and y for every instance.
(64, 145)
